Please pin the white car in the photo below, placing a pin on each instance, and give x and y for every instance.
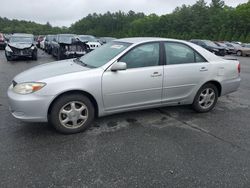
(92, 41)
(42, 43)
(122, 75)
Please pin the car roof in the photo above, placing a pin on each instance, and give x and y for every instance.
(138, 40)
(22, 35)
(135, 40)
(86, 36)
(66, 34)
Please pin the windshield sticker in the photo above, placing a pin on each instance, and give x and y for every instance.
(117, 46)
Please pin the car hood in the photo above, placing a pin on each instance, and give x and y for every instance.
(93, 43)
(20, 45)
(49, 70)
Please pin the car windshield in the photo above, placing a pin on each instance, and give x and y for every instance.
(247, 45)
(65, 38)
(88, 38)
(222, 44)
(210, 43)
(50, 38)
(104, 54)
(21, 39)
(237, 45)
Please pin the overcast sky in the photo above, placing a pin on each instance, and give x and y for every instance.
(65, 12)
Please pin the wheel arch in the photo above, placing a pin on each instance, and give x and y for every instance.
(91, 98)
(217, 84)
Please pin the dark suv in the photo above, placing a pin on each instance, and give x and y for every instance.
(48, 41)
(210, 46)
(66, 46)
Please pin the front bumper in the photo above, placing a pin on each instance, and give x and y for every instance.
(30, 107)
(72, 54)
(20, 53)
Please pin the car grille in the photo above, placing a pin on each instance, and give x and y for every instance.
(75, 48)
(26, 51)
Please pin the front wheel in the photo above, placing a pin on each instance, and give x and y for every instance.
(206, 98)
(9, 58)
(239, 53)
(34, 55)
(72, 114)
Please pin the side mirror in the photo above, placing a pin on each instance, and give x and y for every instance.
(119, 66)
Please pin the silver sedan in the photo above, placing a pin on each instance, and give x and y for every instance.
(123, 75)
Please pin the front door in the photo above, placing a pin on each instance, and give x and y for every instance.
(139, 85)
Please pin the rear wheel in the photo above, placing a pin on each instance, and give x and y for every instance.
(72, 114)
(206, 98)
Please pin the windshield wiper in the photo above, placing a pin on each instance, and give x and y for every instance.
(79, 61)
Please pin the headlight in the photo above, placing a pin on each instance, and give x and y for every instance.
(8, 49)
(215, 50)
(32, 47)
(26, 88)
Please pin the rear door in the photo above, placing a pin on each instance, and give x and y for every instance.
(184, 72)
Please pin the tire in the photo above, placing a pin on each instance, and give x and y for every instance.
(66, 122)
(239, 53)
(34, 56)
(59, 55)
(206, 98)
(8, 57)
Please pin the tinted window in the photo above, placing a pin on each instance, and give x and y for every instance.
(177, 53)
(142, 56)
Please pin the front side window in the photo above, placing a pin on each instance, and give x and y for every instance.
(177, 53)
(142, 56)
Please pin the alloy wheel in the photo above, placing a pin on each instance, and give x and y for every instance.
(73, 114)
(207, 98)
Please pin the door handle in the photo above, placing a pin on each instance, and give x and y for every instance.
(156, 74)
(203, 69)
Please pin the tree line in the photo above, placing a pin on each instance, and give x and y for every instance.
(214, 21)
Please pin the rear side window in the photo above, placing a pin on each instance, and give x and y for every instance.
(177, 53)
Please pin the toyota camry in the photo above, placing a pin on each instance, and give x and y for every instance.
(123, 75)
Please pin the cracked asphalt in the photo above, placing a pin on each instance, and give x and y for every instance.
(164, 147)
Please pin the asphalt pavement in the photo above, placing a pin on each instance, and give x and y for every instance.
(164, 147)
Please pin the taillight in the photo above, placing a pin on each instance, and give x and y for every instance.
(239, 68)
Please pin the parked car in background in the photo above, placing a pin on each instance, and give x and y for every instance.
(2, 41)
(104, 40)
(210, 46)
(123, 75)
(92, 41)
(42, 44)
(239, 50)
(38, 40)
(229, 50)
(7, 37)
(47, 43)
(68, 46)
(21, 45)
